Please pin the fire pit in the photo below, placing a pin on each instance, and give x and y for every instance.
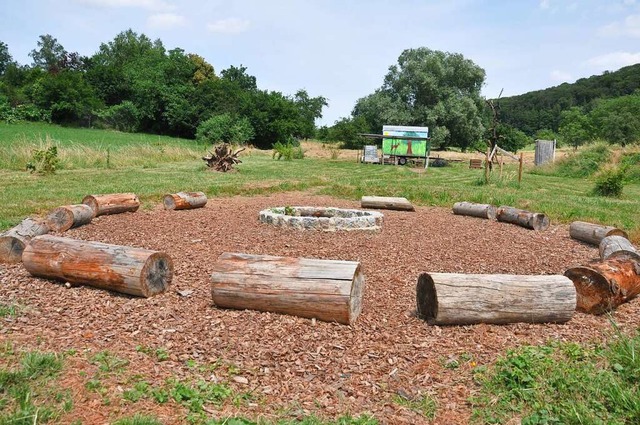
(325, 219)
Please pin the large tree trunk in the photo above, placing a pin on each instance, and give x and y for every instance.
(327, 290)
(604, 285)
(184, 200)
(113, 203)
(386, 202)
(133, 271)
(14, 240)
(593, 233)
(464, 299)
(475, 210)
(617, 246)
(530, 220)
(64, 218)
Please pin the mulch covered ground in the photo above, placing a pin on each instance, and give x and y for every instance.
(294, 366)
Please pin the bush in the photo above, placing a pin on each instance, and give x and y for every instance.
(122, 117)
(44, 161)
(288, 150)
(631, 160)
(224, 128)
(610, 181)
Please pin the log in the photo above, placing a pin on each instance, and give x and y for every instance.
(593, 233)
(530, 220)
(113, 203)
(604, 285)
(465, 299)
(617, 246)
(386, 202)
(328, 290)
(184, 200)
(133, 271)
(475, 210)
(64, 218)
(14, 240)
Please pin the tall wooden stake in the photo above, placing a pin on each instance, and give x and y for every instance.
(486, 166)
(520, 168)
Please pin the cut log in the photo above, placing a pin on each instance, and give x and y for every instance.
(328, 290)
(464, 299)
(386, 202)
(113, 203)
(184, 200)
(604, 285)
(14, 240)
(593, 233)
(133, 271)
(64, 218)
(475, 210)
(617, 246)
(530, 220)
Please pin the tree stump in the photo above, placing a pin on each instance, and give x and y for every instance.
(593, 233)
(475, 210)
(184, 200)
(113, 203)
(14, 240)
(133, 271)
(530, 220)
(464, 299)
(328, 290)
(617, 246)
(386, 202)
(604, 285)
(64, 218)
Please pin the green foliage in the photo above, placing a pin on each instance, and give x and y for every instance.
(224, 128)
(511, 139)
(425, 405)
(306, 420)
(346, 131)
(309, 109)
(49, 53)
(584, 163)
(5, 57)
(617, 120)
(44, 161)
(123, 117)
(575, 128)
(631, 161)
(138, 419)
(287, 150)
(109, 363)
(9, 310)
(610, 181)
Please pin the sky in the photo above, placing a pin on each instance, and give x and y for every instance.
(342, 49)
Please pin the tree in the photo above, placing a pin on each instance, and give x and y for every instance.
(203, 70)
(49, 54)
(309, 109)
(239, 76)
(5, 57)
(617, 120)
(428, 87)
(346, 130)
(575, 128)
(224, 128)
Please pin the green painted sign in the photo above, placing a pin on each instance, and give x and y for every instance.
(404, 147)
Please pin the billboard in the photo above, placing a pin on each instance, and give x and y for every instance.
(405, 147)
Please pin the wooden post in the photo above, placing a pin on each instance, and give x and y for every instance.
(520, 167)
(486, 166)
(475, 210)
(464, 299)
(501, 164)
(14, 240)
(184, 200)
(64, 218)
(327, 290)
(593, 233)
(129, 270)
(617, 246)
(113, 203)
(386, 202)
(530, 220)
(604, 285)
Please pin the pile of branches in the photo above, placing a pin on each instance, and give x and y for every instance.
(223, 158)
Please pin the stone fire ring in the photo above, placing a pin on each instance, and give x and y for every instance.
(325, 219)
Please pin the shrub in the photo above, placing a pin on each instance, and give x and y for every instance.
(288, 150)
(224, 128)
(610, 181)
(44, 161)
(632, 161)
(122, 117)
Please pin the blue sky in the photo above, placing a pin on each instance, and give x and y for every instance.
(342, 49)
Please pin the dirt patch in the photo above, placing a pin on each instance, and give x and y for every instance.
(292, 365)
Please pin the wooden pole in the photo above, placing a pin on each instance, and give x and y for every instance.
(64, 218)
(464, 299)
(184, 200)
(113, 203)
(129, 270)
(501, 164)
(475, 210)
(486, 166)
(327, 290)
(593, 233)
(520, 167)
(14, 240)
(530, 220)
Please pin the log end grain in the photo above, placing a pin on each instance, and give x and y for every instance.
(60, 219)
(540, 222)
(157, 274)
(11, 249)
(592, 290)
(355, 298)
(91, 201)
(169, 202)
(427, 298)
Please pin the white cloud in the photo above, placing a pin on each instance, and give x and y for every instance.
(165, 21)
(545, 4)
(143, 4)
(629, 27)
(560, 76)
(615, 60)
(229, 26)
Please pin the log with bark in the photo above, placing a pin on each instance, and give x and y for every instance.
(464, 299)
(14, 240)
(604, 285)
(617, 246)
(113, 203)
(328, 290)
(133, 271)
(184, 200)
(475, 210)
(593, 233)
(64, 218)
(386, 202)
(223, 158)
(530, 220)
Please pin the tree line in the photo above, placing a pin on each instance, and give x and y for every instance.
(133, 83)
